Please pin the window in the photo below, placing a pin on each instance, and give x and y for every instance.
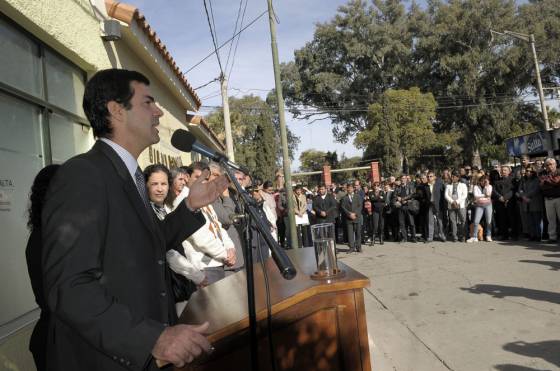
(41, 122)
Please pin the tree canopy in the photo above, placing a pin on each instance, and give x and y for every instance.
(481, 83)
(256, 144)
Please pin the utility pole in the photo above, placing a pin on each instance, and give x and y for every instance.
(531, 39)
(227, 123)
(283, 132)
(539, 83)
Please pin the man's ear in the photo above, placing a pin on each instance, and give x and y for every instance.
(116, 110)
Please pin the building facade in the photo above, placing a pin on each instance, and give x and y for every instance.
(49, 50)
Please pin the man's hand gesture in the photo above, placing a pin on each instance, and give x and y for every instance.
(204, 192)
(181, 344)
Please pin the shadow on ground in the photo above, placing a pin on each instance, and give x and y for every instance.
(552, 255)
(531, 245)
(548, 350)
(508, 367)
(499, 291)
(554, 266)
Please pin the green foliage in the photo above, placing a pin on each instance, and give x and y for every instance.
(254, 140)
(400, 127)
(479, 81)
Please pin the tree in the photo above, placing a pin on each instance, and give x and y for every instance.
(480, 82)
(351, 60)
(254, 140)
(293, 140)
(400, 128)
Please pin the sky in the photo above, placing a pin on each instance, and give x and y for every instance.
(183, 27)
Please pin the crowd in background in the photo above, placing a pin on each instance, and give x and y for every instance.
(468, 204)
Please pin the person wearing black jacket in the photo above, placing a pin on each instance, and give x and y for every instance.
(434, 194)
(378, 200)
(325, 206)
(504, 204)
(401, 196)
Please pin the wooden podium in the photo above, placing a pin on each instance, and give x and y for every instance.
(316, 325)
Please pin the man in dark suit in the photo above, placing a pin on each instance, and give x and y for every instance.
(434, 195)
(106, 281)
(351, 206)
(325, 206)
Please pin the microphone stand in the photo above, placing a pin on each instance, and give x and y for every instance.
(279, 256)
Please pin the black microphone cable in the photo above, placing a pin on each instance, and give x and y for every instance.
(268, 303)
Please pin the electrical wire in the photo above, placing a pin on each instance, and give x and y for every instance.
(234, 31)
(208, 83)
(214, 38)
(223, 44)
(237, 42)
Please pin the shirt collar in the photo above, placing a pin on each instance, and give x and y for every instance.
(129, 160)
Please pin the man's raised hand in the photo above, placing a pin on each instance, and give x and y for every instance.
(204, 192)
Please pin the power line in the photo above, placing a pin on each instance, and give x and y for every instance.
(330, 110)
(208, 83)
(234, 31)
(222, 45)
(214, 38)
(237, 42)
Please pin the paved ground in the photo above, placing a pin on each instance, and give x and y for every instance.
(462, 307)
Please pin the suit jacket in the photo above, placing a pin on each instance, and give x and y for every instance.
(437, 190)
(328, 205)
(105, 277)
(355, 206)
(224, 207)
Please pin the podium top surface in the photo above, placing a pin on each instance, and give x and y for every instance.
(224, 303)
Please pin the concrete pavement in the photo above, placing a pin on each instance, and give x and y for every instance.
(462, 307)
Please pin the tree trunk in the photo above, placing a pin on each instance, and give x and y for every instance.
(475, 159)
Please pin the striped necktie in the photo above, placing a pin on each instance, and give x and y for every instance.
(141, 186)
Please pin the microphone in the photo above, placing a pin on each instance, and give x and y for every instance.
(186, 142)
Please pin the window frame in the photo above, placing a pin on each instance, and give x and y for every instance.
(45, 107)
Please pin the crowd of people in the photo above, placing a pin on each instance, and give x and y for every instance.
(469, 204)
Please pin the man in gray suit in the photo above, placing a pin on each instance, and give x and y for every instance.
(351, 206)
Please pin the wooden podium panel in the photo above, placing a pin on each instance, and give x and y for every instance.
(316, 325)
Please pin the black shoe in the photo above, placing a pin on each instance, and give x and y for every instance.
(413, 240)
(351, 251)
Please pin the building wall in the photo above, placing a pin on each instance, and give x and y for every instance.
(80, 42)
(72, 30)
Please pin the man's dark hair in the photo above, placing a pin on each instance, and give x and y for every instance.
(198, 165)
(105, 86)
(156, 168)
(267, 184)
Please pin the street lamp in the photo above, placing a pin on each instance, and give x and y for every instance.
(531, 39)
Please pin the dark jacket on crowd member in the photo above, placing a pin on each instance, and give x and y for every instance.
(504, 187)
(354, 206)
(550, 184)
(328, 205)
(534, 194)
(225, 208)
(378, 200)
(438, 189)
